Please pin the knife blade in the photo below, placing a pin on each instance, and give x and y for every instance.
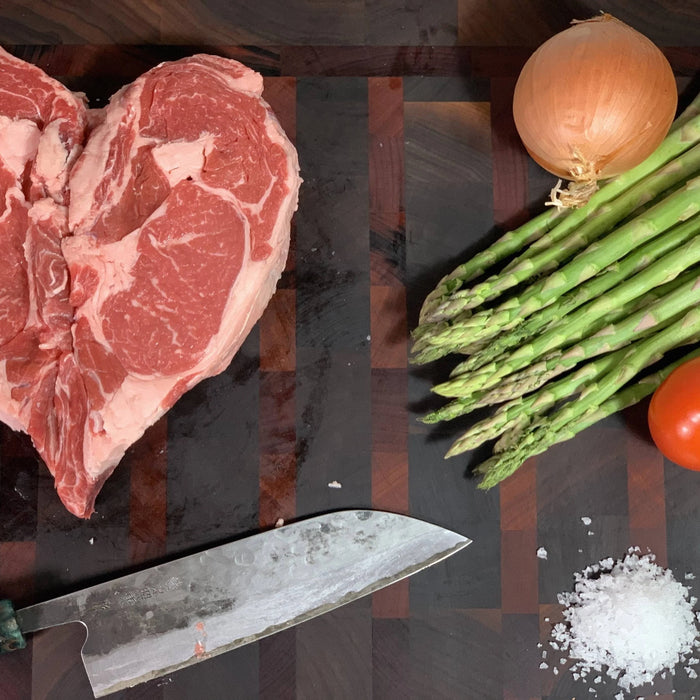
(156, 621)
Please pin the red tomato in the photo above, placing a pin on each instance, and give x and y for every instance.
(674, 415)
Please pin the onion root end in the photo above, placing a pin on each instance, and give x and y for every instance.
(575, 195)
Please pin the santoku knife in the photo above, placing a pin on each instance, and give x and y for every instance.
(156, 621)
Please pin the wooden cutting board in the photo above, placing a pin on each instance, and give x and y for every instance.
(402, 116)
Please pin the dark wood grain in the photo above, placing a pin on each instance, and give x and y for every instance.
(410, 159)
(511, 23)
(278, 663)
(391, 658)
(371, 23)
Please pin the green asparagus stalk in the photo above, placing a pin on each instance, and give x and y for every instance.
(567, 420)
(587, 319)
(684, 133)
(523, 384)
(523, 410)
(532, 378)
(637, 260)
(546, 372)
(625, 398)
(607, 338)
(680, 206)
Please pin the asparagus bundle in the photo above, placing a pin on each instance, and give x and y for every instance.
(560, 336)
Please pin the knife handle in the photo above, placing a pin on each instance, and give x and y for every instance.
(11, 637)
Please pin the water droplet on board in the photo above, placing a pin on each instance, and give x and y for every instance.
(244, 558)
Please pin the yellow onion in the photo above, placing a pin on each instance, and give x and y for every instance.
(592, 102)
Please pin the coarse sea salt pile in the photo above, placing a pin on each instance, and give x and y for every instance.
(629, 619)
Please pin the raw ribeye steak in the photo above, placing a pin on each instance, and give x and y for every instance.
(134, 269)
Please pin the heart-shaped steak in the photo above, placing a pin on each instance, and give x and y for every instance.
(140, 244)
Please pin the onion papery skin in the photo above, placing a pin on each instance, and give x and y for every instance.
(594, 100)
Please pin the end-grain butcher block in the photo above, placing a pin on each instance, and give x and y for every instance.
(156, 260)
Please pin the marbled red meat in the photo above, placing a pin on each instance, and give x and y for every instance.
(140, 244)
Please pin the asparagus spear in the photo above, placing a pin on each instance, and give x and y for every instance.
(522, 410)
(495, 473)
(528, 380)
(684, 133)
(531, 379)
(637, 260)
(523, 384)
(541, 373)
(590, 317)
(606, 338)
(679, 206)
(566, 422)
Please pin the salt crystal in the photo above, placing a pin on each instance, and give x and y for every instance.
(91, 540)
(335, 485)
(543, 666)
(692, 673)
(586, 520)
(555, 671)
(541, 553)
(689, 576)
(590, 532)
(629, 619)
(279, 522)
